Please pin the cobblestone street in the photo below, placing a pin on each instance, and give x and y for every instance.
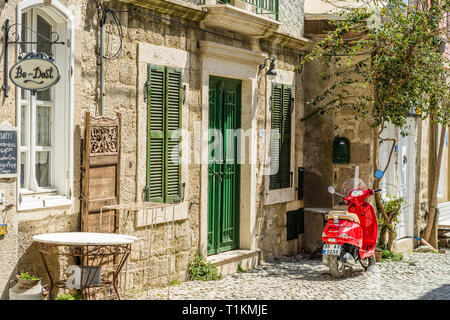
(418, 276)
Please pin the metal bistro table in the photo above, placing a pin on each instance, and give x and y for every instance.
(93, 249)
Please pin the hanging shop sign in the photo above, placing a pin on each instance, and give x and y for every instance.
(8, 151)
(35, 72)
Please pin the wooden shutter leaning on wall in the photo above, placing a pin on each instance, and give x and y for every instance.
(100, 173)
(164, 92)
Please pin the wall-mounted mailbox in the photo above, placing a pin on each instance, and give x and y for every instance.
(341, 150)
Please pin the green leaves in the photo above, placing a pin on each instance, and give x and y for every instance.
(201, 269)
(397, 63)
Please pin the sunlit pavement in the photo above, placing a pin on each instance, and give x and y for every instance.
(418, 276)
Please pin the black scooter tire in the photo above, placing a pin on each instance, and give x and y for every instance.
(336, 270)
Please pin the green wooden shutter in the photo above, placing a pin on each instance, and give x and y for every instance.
(285, 161)
(164, 92)
(280, 149)
(275, 144)
(156, 97)
(172, 136)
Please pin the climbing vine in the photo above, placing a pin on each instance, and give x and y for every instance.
(385, 62)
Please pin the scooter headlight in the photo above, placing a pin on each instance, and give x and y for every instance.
(356, 193)
(343, 235)
(324, 234)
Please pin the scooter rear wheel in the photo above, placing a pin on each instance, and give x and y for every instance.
(367, 262)
(337, 267)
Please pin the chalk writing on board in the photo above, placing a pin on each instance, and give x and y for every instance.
(8, 152)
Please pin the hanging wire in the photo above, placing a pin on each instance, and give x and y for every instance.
(102, 15)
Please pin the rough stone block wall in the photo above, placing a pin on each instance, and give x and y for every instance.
(9, 244)
(271, 220)
(161, 254)
(17, 251)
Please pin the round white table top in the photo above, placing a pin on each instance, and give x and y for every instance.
(84, 238)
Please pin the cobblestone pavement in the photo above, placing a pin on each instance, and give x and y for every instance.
(418, 276)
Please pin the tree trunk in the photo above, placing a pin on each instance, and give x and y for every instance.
(433, 201)
(383, 234)
(391, 240)
(376, 182)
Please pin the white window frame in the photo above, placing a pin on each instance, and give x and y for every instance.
(60, 192)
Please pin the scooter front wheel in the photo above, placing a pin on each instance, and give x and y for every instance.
(336, 266)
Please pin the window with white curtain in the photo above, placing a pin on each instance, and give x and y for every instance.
(44, 116)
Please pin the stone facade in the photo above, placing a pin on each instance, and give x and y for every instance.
(148, 39)
(410, 169)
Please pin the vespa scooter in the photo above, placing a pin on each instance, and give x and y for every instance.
(351, 236)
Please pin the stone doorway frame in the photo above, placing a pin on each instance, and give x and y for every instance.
(236, 63)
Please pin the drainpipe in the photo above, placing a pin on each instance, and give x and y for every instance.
(102, 70)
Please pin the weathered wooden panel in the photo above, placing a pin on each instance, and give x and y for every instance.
(100, 172)
(102, 182)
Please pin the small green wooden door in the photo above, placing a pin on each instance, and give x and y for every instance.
(223, 167)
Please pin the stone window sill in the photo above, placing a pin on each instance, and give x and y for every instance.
(32, 202)
(149, 217)
(279, 196)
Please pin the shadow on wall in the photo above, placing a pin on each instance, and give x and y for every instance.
(441, 293)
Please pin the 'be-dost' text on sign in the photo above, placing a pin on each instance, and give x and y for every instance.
(34, 74)
(8, 151)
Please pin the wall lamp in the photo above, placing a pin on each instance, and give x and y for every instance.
(271, 71)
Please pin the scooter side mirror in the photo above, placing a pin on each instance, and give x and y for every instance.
(331, 190)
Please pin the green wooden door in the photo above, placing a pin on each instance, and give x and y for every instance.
(223, 167)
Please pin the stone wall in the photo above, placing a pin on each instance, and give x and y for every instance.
(9, 244)
(320, 171)
(123, 94)
(271, 219)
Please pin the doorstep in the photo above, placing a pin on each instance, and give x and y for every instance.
(228, 262)
(404, 245)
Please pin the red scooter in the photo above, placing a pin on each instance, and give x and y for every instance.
(350, 236)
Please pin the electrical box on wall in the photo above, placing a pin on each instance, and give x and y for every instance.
(341, 150)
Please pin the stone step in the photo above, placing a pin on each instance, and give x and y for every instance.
(228, 262)
(444, 242)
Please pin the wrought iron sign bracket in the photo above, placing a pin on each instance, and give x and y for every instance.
(15, 39)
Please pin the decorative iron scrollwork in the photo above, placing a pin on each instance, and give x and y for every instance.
(12, 36)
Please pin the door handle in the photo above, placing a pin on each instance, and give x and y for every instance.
(405, 159)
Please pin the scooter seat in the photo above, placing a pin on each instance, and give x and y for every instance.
(342, 215)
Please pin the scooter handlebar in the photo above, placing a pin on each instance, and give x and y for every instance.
(378, 190)
(342, 203)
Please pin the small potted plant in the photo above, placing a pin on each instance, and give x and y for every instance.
(27, 280)
(378, 254)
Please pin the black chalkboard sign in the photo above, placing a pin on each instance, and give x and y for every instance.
(8, 151)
